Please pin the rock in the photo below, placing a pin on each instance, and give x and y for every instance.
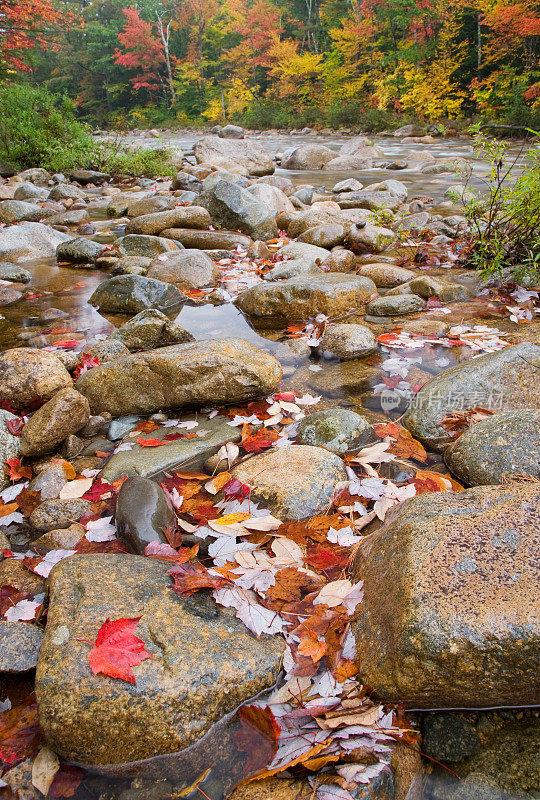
(348, 340)
(29, 191)
(370, 238)
(324, 235)
(73, 217)
(150, 329)
(493, 449)
(118, 428)
(427, 286)
(349, 162)
(409, 130)
(244, 156)
(345, 379)
(10, 446)
(185, 269)
(231, 132)
(19, 646)
(207, 240)
(7, 170)
(85, 176)
(306, 296)
(108, 350)
(280, 181)
(14, 573)
(221, 175)
(150, 205)
(183, 454)
(503, 381)
(205, 662)
(291, 269)
(259, 250)
(386, 276)
(79, 250)
(307, 156)
(59, 539)
(234, 207)
(293, 482)
(142, 513)
(29, 240)
(372, 200)
(304, 250)
(187, 182)
(9, 295)
(348, 185)
(129, 294)
(136, 244)
(449, 736)
(212, 372)
(338, 430)
(339, 260)
(36, 175)
(11, 272)
(359, 146)
(65, 191)
(72, 447)
(49, 481)
(152, 224)
(448, 618)
(389, 306)
(272, 197)
(54, 513)
(27, 375)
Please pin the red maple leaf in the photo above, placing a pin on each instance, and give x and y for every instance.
(88, 362)
(193, 576)
(15, 426)
(66, 781)
(19, 732)
(257, 736)
(15, 470)
(117, 649)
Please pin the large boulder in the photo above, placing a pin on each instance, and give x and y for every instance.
(150, 329)
(359, 146)
(145, 245)
(78, 251)
(29, 240)
(185, 269)
(449, 617)
(307, 156)
(27, 375)
(503, 381)
(152, 224)
(496, 448)
(18, 210)
(10, 445)
(271, 196)
(293, 482)
(306, 296)
(234, 207)
(129, 294)
(205, 662)
(211, 372)
(66, 412)
(244, 156)
(207, 240)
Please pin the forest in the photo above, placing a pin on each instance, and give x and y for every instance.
(279, 64)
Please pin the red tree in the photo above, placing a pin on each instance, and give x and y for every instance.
(142, 51)
(25, 24)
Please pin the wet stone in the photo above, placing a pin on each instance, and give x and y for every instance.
(129, 294)
(389, 306)
(348, 340)
(149, 330)
(27, 375)
(58, 513)
(142, 513)
(19, 646)
(64, 414)
(338, 430)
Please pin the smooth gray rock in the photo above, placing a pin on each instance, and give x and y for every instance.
(129, 294)
(142, 513)
(149, 330)
(79, 250)
(234, 207)
(11, 272)
(348, 340)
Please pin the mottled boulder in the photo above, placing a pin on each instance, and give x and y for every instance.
(339, 260)
(10, 446)
(86, 176)
(235, 208)
(307, 156)
(183, 454)
(207, 240)
(271, 196)
(496, 448)
(211, 372)
(205, 662)
(348, 340)
(324, 235)
(244, 156)
(142, 513)
(372, 200)
(27, 375)
(29, 240)
(150, 329)
(18, 211)
(370, 238)
(66, 412)
(65, 191)
(185, 269)
(53, 514)
(338, 430)
(19, 646)
(306, 296)
(507, 380)
(188, 217)
(50, 481)
(129, 294)
(386, 276)
(141, 244)
(79, 250)
(29, 191)
(395, 305)
(11, 272)
(150, 205)
(293, 482)
(107, 350)
(450, 612)
(231, 132)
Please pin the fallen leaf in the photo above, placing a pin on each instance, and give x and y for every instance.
(192, 577)
(75, 489)
(117, 649)
(19, 731)
(46, 765)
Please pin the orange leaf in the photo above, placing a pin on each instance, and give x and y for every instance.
(117, 649)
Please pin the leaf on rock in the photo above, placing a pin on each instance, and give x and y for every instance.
(192, 577)
(117, 649)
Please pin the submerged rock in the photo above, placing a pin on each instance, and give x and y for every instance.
(211, 372)
(27, 375)
(507, 380)
(205, 662)
(150, 329)
(185, 269)
(348, 340)
(338, 430)
(293, 482)
(496, 448)
(129, 294)
(142, 513)
(449, 616)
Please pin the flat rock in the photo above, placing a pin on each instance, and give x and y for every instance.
(395, 305)
(152, 224)
(503, 381)
(140, 244)
(11, 272)
(348, 340)
(185, 454)
(293, 482)
(185, 269)
(80, 250)
(211, 372)
(449, 617)
(19, 646)
(27, 375)
(129, 294)
(338, 430)
(205, 662)
(66, 412)
(18, 210)
(245, 155)
(150, 329)
(86, 176)
(496, 448)
(306, 296)
(386, 276)
(207, 240)
(29, 240)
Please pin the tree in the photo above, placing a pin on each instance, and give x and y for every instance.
(143, 52)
